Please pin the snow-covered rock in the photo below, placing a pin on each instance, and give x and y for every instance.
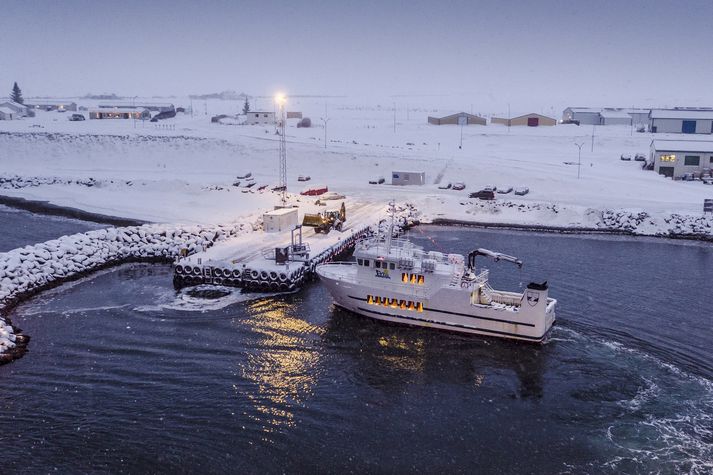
(31, 268)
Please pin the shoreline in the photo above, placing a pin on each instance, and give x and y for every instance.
(564, 229)
(49, 209)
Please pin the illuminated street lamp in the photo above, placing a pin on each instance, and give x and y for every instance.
(281, 100)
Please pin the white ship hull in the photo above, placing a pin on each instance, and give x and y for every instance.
(446, 308)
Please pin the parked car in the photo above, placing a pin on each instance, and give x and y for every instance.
(447, 186)
(459, 185)
(640, 157)
(76, 117)
(483, 195)
(625, 157)
(304, 178)
(504, 190)
(492, 188)
(522, 191)
(378, 181)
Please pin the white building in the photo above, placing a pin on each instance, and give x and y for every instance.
(583, 115)
(20, 110)
(51, 105)
(674, 158)
(281, 219)
(614, 117)
(6, 113)
(120, 113)
(408, 178)
(260, 118)
(681, 121)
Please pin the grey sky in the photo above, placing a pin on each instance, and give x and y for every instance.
(534, 53)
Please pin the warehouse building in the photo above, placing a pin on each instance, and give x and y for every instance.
(674, 158)
(606, 116)
(614, 117)
(530, 120)
(461, 118)
(151, 106)
(51, 105)
(120, 113)
(681, 121)
(260, 118)
(583, 115)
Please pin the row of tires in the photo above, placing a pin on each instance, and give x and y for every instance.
(261, 279)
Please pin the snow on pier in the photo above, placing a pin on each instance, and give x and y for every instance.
(249, 262)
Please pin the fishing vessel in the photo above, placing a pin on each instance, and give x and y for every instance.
(394, 280)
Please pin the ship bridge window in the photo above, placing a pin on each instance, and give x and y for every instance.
(392, 266)
(360, 262)
(377, 264)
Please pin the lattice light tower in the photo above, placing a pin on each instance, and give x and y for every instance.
(281, 100)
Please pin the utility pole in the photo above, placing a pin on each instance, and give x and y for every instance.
(579, 160)
(394, 117)
(593, 127)
(324, 120)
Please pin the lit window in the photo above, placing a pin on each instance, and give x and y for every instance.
(668, 158)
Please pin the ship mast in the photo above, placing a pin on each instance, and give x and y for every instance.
(392, 208)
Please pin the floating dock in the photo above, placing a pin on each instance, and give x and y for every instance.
(254, 261)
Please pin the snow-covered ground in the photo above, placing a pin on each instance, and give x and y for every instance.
(183, 170)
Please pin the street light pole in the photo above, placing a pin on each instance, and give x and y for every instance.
(133, 106)
(579, 160)
(394, 117)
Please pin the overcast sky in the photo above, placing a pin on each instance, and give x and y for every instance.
(535, 53)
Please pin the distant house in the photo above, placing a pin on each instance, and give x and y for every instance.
(461, 118)
(6, 113)
(530, 120)
(20, 110)
(51, 105)
(151, 106)
(674, 158)
(120, 113)
(294, 115)
(681, 121)
(260, 118)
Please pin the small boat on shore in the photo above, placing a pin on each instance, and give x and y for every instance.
(396, 281)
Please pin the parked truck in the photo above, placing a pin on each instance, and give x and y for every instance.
(326, 220)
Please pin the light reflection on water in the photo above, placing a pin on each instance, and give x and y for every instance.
(291, 383)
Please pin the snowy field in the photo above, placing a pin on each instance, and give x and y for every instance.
(183, 170)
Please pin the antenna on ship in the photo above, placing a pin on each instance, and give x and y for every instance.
(392, 209)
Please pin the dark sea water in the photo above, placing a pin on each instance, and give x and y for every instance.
(125, 375)
(19, 228)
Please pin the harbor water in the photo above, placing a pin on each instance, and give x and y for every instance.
(126, 375)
